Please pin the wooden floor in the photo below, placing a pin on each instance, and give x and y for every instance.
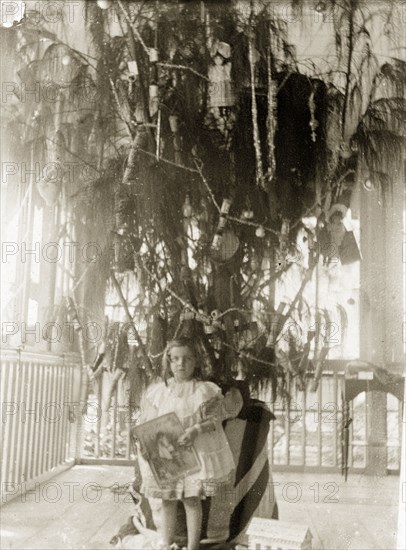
(76, 510)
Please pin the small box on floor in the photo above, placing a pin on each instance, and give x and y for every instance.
(272, 534)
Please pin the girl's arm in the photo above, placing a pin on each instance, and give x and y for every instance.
(205, 426)
(206, 421)
(212, 413)
(220, 408)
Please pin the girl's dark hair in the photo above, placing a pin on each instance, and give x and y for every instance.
(182, 342)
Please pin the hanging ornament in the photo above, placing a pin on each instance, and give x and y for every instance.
(221, 95)
(66, 60)
(218, 244)
(153, 79)
(133, 68)
(320, 7)
(188, 314)
(208, 329)
(215, 314)
(187, 208)
(104, 4)
(285, 227)
(153, 99)
(354, 145)
(131, 83)
(345, 151)
(247, 213)
(173, 123)
(225, 207)
(224, 246)
(254, 263)
(368, 184)
(221, 91)
(260, 232)
(153, 55)
(177, 139)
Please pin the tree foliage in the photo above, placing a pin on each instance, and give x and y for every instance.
(199, 206)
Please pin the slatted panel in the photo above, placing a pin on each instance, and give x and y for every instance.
(309, 435)
(306, 437)
(107, 438)
(36, 432)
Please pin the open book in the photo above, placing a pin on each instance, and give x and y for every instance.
(168, 460)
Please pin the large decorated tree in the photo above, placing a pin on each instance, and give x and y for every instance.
(219, 162)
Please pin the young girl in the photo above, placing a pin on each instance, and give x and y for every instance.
(199, 407)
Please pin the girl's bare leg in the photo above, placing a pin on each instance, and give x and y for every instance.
(193, 508)
(169, 509)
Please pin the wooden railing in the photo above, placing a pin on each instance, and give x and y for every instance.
(45, 427)
(106, 426)
(306, 438)
(309, 436)
(39, 412)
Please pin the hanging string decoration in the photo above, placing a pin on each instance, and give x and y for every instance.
(254, 111)
(153, 82)
(313, 122)
(271, 120)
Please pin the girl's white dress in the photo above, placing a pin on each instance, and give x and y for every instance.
(187, 400)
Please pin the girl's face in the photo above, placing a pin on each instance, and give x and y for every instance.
(182, 363)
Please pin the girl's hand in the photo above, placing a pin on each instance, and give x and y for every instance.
(189, 436)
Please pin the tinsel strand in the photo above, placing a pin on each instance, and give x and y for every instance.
(271, 120)
(254, 112)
